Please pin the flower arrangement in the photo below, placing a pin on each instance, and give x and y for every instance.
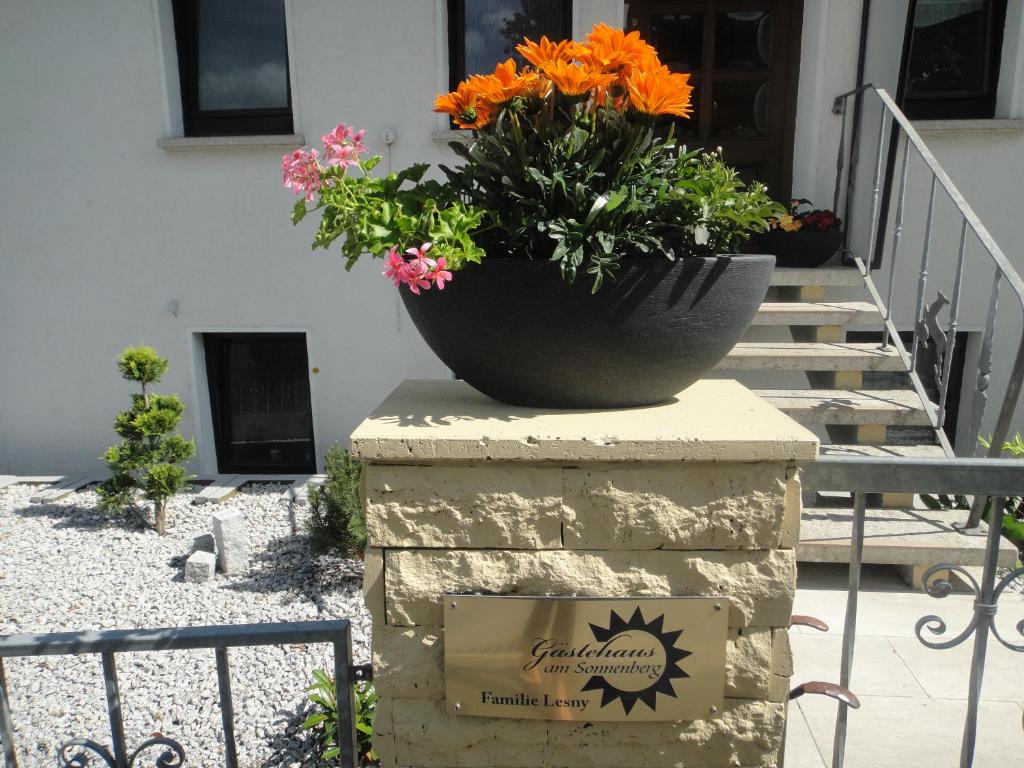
(572, 162)
(815, 220)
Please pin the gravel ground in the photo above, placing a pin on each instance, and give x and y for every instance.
(67, 566)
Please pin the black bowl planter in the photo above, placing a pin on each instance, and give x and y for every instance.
(805, 248)
(514, 330)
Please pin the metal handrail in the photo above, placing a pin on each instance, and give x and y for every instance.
(970, 223)
(217, 638)
(990, 479)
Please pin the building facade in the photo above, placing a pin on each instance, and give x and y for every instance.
(142, 200)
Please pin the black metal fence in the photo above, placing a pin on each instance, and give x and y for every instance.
(76, 752)
(984, 479)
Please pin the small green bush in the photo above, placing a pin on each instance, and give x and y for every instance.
(336, 520)
(323, 693)
(151, 456)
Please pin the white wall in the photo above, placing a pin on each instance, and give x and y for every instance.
(100, 229)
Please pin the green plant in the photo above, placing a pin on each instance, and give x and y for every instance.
(323, 693)
(151, 455)
(571, 162)
(336, 519)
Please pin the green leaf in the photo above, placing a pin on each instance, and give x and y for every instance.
(298, 211)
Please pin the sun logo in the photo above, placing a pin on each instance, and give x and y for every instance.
(630, 642)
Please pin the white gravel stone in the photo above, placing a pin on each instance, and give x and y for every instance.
(67, 566)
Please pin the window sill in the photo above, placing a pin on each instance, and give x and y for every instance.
(176, 143)
(444, 136)
(989, 124)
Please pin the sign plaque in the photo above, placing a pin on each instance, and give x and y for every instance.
(561, 658)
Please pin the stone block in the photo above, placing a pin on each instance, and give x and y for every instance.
(204, 543)
(384, 733)
(503, 506)
(674, 506)
(427, 736)
(373, 584)
(745, 733)
(794, 504)
(759, 584)
(748, 660)
(200, 566)
(231, 535)
(782, 652)
(408, 662)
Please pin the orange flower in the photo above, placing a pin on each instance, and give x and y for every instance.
(466, 106)
(544, 53)
(660, 92)
(576, 79)
(612, 50)
(504, 85)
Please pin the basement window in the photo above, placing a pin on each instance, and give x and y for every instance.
(233, 64)
(260, 402)
(952, 58)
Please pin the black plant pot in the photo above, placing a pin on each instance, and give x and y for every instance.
(806, 248)
(514, 330)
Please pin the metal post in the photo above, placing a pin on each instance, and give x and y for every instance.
(839, 157)
(922, 277)
(850, 627)
(344, 699)
(984, 365)
(984, 612)
(897, 235)
(114, 710)
(954, 323)
(6, 724)
(227, 707)
(876, 189)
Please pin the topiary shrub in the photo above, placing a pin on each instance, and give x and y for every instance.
(151, 455)
(336, 519)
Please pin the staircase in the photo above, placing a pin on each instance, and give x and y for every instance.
(797, 358)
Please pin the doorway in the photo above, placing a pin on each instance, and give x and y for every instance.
(260, 402)
(744, 60)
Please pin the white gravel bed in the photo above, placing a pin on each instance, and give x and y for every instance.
(67, 566)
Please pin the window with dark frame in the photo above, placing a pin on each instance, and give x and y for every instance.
(951, 58)
(233, 64)
(482, 33)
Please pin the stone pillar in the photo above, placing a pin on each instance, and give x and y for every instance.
(465, 495)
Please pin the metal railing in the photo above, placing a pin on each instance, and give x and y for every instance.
(996, 479)
(896, 132)
(74, 753)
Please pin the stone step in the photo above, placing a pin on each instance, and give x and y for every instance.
(878, 451)
(222, 488)
(817, 313)
(810, 356)
(916, 537)
(849, 406)
(788, 276)
(65, 487)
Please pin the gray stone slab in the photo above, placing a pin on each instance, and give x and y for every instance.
(895, 537)
(232, 538)
(200, 566)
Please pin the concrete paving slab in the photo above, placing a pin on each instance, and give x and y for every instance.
(896, 537)
(801, 749)
(945, 674)
(877, 669)
(903, 732)
(886, 606)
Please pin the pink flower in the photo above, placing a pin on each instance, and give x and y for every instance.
(301, 172)
(343, 145)
(440, 274)
(417, 275)
(396, 268)
(419, 253)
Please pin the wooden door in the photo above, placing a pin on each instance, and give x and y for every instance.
(743, 56)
